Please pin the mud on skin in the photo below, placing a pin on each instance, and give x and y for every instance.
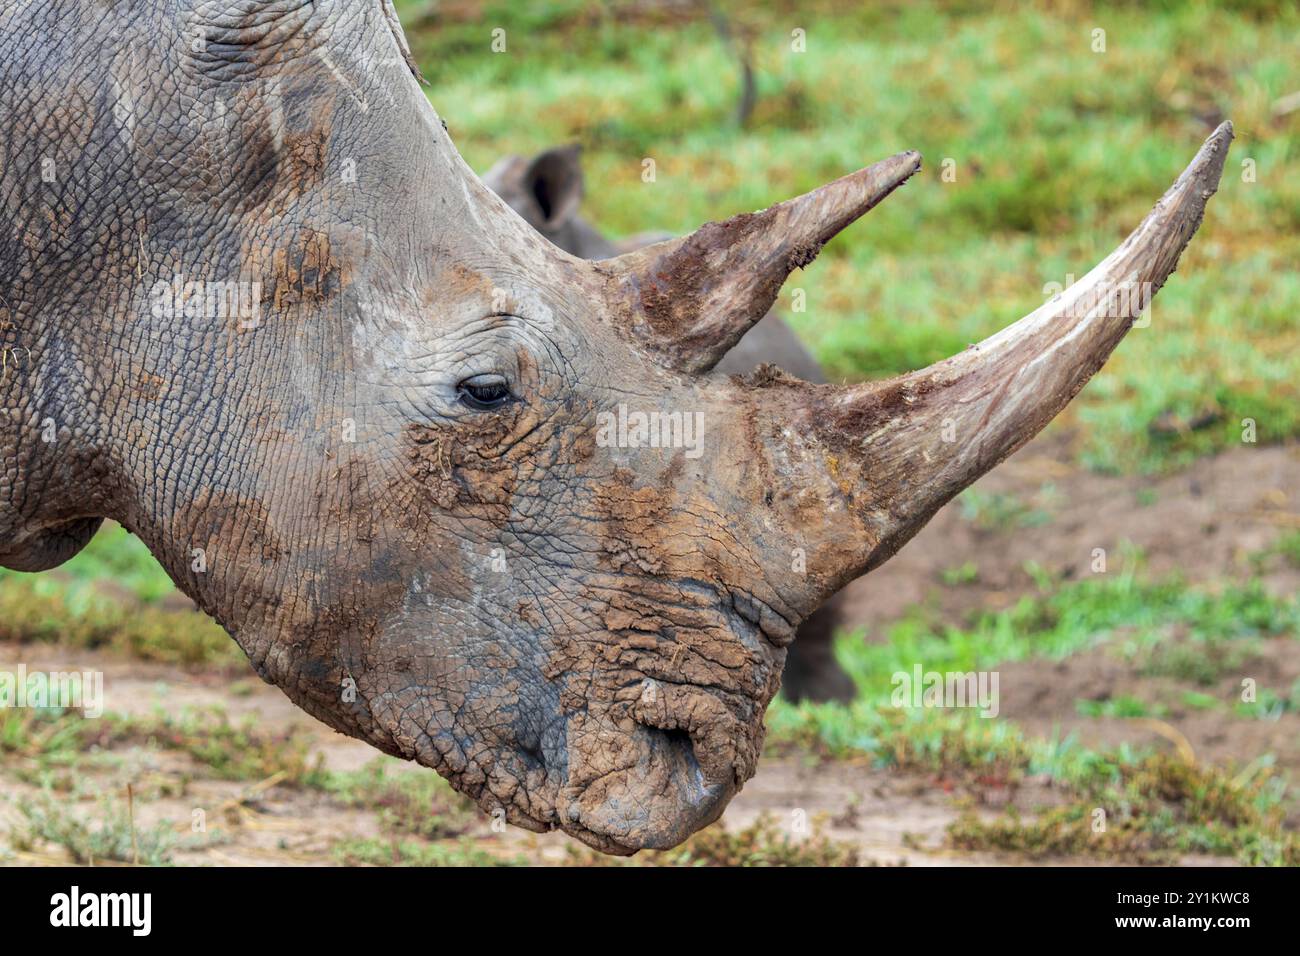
(547, 190)
(584, 636)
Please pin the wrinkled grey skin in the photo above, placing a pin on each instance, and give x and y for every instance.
(451, 585)
(581, 632)
(546, 190)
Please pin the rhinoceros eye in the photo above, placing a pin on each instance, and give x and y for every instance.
(484, 393)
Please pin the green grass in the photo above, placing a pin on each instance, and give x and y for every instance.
(409, 801)
(227, 749)
(1269, 704)
(47, 820)
(1149, 811)
(117, 555)
(1163, 627)
(1196, 700)
(1287, 547)
(37, 611)
(70, 608)
(1139, 617)
(1059, 151)
(999, 511)
(966, 573)
(1201, 662)
(355, 851)
(1121, 707)
(1128, 615)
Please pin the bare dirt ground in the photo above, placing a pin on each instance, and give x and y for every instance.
(891, 819)
(1203, 523)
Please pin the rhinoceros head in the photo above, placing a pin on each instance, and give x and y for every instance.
(457, 492)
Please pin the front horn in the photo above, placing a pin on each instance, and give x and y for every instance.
(897, 450)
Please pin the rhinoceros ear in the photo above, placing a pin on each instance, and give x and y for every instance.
(689, 300)
(553, 180)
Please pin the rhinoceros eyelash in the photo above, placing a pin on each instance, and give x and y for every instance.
(485, 393)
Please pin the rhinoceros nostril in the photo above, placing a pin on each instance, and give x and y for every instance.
(681, 739)
(654, 804)
(699, 728)
(674, 740)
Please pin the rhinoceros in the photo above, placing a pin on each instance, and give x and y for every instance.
(547, 190)
(479, 502)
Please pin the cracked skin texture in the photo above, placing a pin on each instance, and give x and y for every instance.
(611, 680)
(585, 637)
(546, 191)
(604, 683)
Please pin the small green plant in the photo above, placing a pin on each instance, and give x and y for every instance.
(1270, 704)
(230, 750)
(40, 732)
(967, 573)
(1195, 700)
(1201, 662)
(396, 852)
(998, 511)
(113, 837)
(1124, 705)
(413, 802)
(1149, 811)
(1288, 546)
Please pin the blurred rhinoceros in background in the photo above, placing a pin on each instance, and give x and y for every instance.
(547, 190)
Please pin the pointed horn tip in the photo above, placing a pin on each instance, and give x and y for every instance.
(893, 171)
(1180, 209)
(1207, 167)
(855, 193)
(911, 158)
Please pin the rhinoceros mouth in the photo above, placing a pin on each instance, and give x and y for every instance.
(663, 711)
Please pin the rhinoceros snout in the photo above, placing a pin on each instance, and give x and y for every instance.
(653, 795)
